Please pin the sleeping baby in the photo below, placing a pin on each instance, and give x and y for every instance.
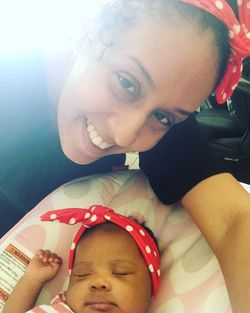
(113, 262)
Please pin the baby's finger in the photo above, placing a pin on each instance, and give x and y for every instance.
(40, 253)
(46, 256)
(55, 258)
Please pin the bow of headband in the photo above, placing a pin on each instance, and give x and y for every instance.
(98, 214)
(239, 40)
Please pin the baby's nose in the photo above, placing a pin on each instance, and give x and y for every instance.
(100, 283)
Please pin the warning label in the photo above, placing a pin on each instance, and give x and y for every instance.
(18, 254)
(3, 295)
(14, 260)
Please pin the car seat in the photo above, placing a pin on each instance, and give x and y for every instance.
(227, 127)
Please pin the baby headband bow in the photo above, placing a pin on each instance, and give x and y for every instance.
(98, 214)
(239, 40)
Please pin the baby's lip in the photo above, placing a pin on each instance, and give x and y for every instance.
(100, 304)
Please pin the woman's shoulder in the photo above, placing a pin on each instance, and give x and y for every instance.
(23, 92)
(21, 63)
(22, 77)
(58, 62)
(181, 160)
(33, 72)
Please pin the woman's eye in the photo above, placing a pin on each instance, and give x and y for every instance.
(128, 85)
(164, 119)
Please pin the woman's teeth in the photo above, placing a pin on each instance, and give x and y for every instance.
(95, 138)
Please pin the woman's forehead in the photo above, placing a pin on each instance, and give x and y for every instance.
(170, 56)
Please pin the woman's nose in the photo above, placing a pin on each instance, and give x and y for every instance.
(126, 128)
(100, 283)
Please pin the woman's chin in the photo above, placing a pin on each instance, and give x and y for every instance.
(78, 157)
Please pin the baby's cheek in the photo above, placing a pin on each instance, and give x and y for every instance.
(133, 299)
(143, 284)
(75, 295)
(129, 288)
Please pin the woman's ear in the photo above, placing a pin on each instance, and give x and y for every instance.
(95, 41)
(106, 36)
(103, 41)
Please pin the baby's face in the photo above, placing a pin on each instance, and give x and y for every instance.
(109, 274)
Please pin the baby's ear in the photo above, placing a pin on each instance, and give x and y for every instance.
(137, 217)
(152, 299)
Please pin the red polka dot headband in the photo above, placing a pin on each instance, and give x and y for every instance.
(98, 214)
(239, 40)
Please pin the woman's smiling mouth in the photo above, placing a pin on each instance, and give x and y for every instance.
(95, 137)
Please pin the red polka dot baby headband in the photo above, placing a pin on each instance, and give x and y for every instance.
(98, 214)
(239, 40)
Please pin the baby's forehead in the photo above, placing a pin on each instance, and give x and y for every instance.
(107, 241)
(106, 233)
(107, 227)
(109, 235)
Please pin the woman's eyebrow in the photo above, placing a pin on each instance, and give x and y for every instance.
(179, 111)
(144, 72)
(183, 112)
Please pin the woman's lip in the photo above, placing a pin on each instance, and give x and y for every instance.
(93, 149)
(95, 137)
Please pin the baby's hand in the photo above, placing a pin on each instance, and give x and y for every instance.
(44, 266)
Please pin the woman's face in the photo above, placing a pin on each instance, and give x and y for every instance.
(109, 274)
(152, 77)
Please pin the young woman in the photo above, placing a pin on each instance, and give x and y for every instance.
(133, 86)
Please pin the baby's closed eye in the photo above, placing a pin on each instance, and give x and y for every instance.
(82, 275)
(122, 272)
